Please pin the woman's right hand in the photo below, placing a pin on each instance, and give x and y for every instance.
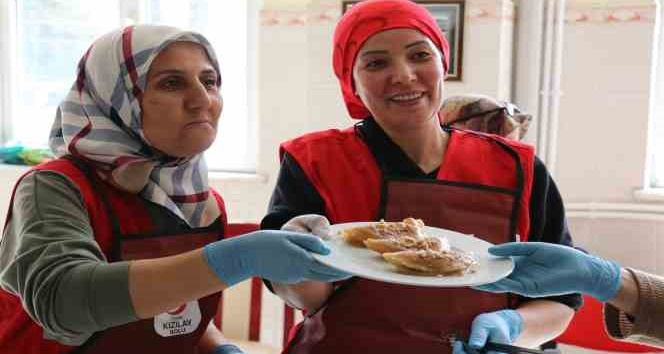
(278, 256)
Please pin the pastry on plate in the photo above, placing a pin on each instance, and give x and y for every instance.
(384, 230)
(385, 245)
(431, 262)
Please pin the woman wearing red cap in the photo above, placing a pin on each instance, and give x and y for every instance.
(391, 61)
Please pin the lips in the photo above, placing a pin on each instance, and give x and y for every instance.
(199, 122)
(406, 98)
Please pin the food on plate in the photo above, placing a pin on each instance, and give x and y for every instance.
(384, 230)
(404, 244)
(430, 262)
(407, 243)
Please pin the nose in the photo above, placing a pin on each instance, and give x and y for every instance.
(403, 72)
(197, 96)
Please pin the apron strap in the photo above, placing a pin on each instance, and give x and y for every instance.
(520, 178)
(519, 184)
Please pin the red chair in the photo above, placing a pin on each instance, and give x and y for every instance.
(244, 304)
(587, 331)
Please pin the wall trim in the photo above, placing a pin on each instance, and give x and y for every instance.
(296, 13)
(601, 210)
(500, 10)
(608, 4)
(611, 12)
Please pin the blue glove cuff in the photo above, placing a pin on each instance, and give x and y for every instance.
(227, 349)
(514, 321)
(224, 261)
(607, 280)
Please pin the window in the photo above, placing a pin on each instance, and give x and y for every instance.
(46, 38)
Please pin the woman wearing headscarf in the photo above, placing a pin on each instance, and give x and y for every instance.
(113, 247)
(391, 60)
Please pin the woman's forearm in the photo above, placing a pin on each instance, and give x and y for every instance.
(158, 285)
(543, 320)
(627, 297)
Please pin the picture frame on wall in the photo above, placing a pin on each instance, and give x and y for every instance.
(449, 15)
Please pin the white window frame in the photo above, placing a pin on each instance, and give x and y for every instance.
(7, 62)
(8, 94)
(654, 184)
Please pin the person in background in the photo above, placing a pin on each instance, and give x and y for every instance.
(391, 60)
(114, 246)
(485, 114)
(634, 309)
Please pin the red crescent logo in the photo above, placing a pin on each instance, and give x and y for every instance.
(178, 310)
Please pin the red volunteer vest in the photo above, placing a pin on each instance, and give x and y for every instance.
(483, 188)
(127, 217)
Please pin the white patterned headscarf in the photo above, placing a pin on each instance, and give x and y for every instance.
(100, 122)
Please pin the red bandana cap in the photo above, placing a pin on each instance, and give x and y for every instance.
(367, 18)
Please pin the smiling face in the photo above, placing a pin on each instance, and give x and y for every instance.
(181, 104)
(398, 75)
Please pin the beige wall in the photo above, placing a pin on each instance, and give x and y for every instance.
(603, 130)
(605, 84)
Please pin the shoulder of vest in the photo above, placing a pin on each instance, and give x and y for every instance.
(63, 166)
(58, 163)
(215, 194)
(517, 145)
(322, 140)
(320, 136)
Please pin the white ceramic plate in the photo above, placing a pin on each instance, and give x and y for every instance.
(368, 264)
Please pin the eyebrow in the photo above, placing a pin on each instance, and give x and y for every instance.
(416, 43)
(180, 72)
(385, 51)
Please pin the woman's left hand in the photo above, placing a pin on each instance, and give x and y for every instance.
(498, 327)
(309, 295)
(309, 224)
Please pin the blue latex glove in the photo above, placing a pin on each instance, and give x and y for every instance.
(278, 256)
(227, 349)
(498, 327)
(545, 269)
